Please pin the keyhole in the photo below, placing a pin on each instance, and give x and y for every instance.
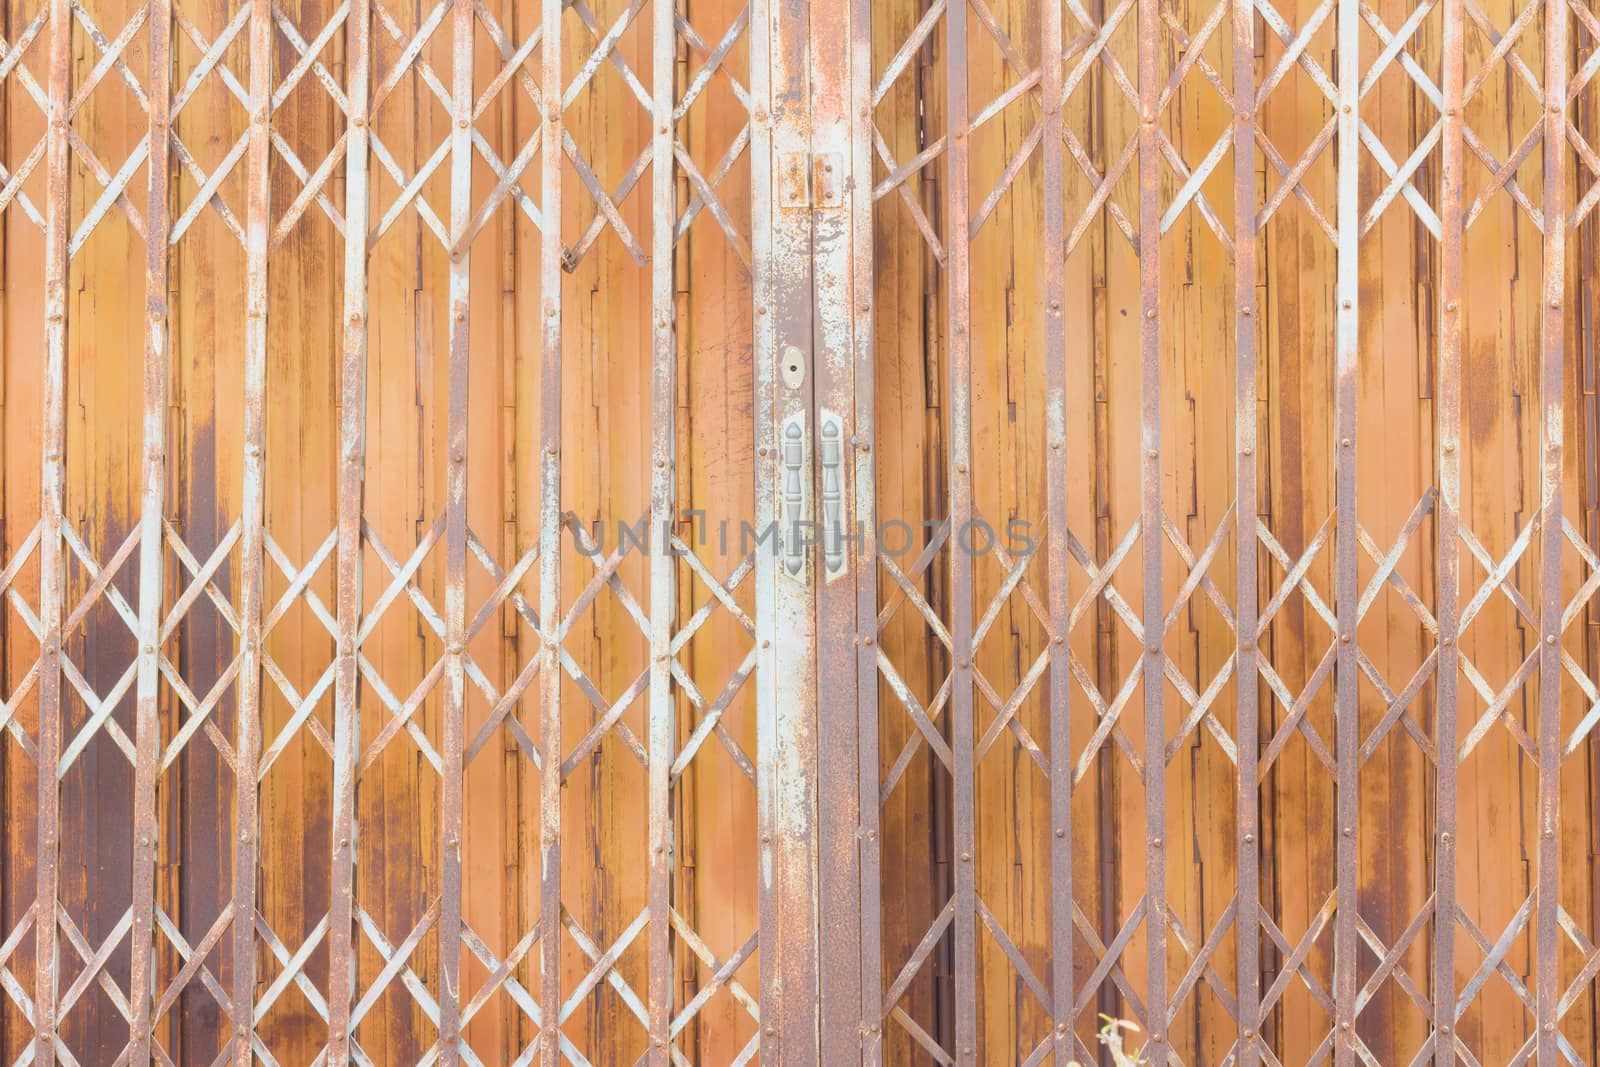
(794, 367)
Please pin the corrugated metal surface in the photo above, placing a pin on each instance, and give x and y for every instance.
(1194, 405)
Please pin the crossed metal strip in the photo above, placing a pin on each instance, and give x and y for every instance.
(1189, 192)
(1577, 84)
(1503, 174)
(722, 977)
(314, 184)
(11, 56)
(890, 1007)
(1498, 571)
(704, 189)
(94, 959)
(1006, 711)
(711, 714)
(1401, 175)
(412, 61)
(924, 718)
(1575, 607)
(1294, 966)
(1202, 966)
(1109, 714)
(10, 703)
(194, 966)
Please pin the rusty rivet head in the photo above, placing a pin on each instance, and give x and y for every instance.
(1155, 842)
(461, 124)
(1247, 311)
(1549, 1028)
(1549, 639)
(1445, 1029)
(1555, 301)
(872, 835)
(1349, 831)
(1347, 303)
(1345, 1025)
(1061, 831)
(867, 640)
(1158, 1038)
(1249, 1034)
(1345, 638)
(966, 857)
(1451, 306)
(1061, 1028)
(1150, 313)
(1445, 837)
(1249, 839)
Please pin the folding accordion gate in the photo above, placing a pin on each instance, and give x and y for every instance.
(849, 531)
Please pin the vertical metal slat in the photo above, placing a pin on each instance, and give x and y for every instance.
(247, 737)
(455, 592)
(147, 724)
(1154, 618)
(1547, 989)
(1448, 607)
(550, 275)
(1346, 588)
(958, 278)
(53, 501)
(1056, 541)
(348, 595)
(662, 729)
(1247, 924)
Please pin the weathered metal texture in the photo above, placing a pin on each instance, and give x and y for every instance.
(452, 787)
(352, 472)
(1057, 546)
(252, 540)
(1346, 581)
(1452, 204)
(820, 661)
(1246, 278)
(1552, 436)
(152, 539)
(958, 310)
(51, 543)
(660, 711)
(1153, 615)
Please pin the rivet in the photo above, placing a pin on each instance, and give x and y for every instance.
(661, 129)
(1249, 839)
(1445, 837)
(1550, 639)
(1152, 453)
(1155, 842)
(1555, 301)
(1346, 303)
(1346, 109)
(1349, 831)
(1246, 312)
(867, 640)
(1451, 306)
(1060, 640)
(1345, 638)
(1345, 443)
(1150, 313)
(966, 857)
(1061, 831)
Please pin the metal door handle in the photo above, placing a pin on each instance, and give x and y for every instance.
(794, 493)
(832, 449)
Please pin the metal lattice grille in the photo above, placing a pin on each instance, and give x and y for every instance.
(1194, 403)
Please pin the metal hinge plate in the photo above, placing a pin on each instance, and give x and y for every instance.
(810, 181)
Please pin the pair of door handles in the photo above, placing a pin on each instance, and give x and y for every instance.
(798, 529)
